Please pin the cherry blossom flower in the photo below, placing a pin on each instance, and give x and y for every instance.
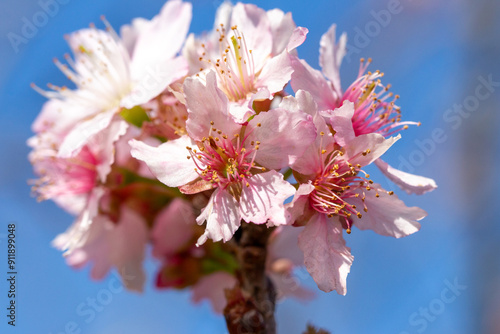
(217, 143)
(335, 194)
(111, 73)
(79, 184)
(71, 181)
(374, 107)
(249, 52)
(237, 161)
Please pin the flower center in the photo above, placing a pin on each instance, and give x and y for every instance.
(59, 176)
(375, 109)
(235, 66)
(225, 162)
(100, 70)
(338, 181)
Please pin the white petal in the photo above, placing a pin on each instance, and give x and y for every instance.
(153, 80)
(161, 38)
(83, 132)
(222, 215)
(168, 162)
(103, 146)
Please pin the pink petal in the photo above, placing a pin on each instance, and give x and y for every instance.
(326, 256)
(387, 214)
(206, 104)
(127, 247)
(412, 184)
(264, 197)
(94, 239)
(298, 37)
(120, 245)
(83, 132)
(310, 162)
(306, 78)
(306, 103)
(375, 142)
(283, 137)
(222, 215)
(168, 162)
(173, 228)
(283, 257)
(243, 110)
(276, 73)
(240, 110)
(341, 121)
(283, 245)
(299, 206)
(162, 38)
(282, 28)
(212, 287)
(331, 55)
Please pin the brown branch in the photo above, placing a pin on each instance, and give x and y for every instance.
(313, 330)
(251, 303)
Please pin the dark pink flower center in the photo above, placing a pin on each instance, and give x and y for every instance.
(59, 177)
(374, 106)
(338, 181)
(225, 161)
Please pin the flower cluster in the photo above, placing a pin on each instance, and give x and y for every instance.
(177, 140)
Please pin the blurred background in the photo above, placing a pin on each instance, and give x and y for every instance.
(441, 57)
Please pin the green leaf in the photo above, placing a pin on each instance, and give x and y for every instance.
(136, 116)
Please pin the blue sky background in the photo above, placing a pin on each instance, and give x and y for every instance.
(432, 52)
